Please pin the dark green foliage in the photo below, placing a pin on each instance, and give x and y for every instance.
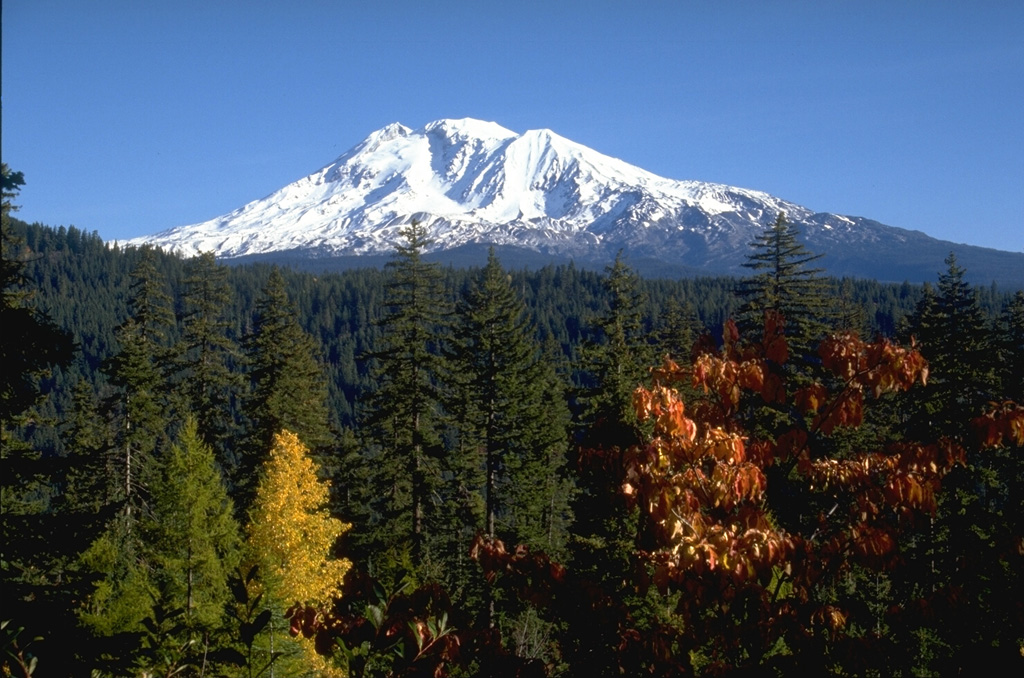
(140, 372)
(498, 397)
(513, 415)
(957, 340)
(404, 420)
(619, 361)
(192, 535)
(783, 282)
(207, 358)
(288, 386)
(30, 342)
(1010, 343)
(32, 561)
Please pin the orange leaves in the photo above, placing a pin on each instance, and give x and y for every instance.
(881, 367)
(700, 492)
(702, 484)
(728, 379)
(846, 410)
(871, 543)
(774, 342)
(668, 411)
(1004, 422)
(811, 398)
(910, 490)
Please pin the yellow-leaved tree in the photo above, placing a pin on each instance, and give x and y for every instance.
(292, 534)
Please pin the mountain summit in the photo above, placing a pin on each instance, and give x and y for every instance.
(476, 184)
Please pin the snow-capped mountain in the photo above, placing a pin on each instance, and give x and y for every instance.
(476, 183)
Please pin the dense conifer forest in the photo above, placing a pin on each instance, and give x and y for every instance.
(418, 470)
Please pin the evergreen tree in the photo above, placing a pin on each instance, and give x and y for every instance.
(514, 414)
(971, 549)
(193, 535)
(1011, 349)
(619, 363)
(784, 284)
(206, 355)
(679, 329)
(140, 372)
(603, 542)
(32, 560)
(141, 409)
(957, 341)
(405, 417)
(30, 343)
(289, 390)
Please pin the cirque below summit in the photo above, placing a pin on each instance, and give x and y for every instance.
(475, 184)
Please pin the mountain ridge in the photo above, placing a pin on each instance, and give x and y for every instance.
(475, 184)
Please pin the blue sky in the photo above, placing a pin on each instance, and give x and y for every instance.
(131, 117)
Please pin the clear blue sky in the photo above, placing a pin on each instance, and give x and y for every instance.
(130, 117)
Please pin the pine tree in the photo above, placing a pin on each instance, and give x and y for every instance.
(603, 542)
(405, 413)
(515, 414)
(289, 390)
(30, 343)
(1011, 349)
(783, 283)
(206, 355)
(32, 561)
(618, 364)
(975, 527)
(140, 372)
(678, 330)
(193, 536)
(955, 338)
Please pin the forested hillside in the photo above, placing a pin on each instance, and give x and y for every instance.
(420, 470)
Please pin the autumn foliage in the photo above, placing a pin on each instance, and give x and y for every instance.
(291, 528)
(754, 538)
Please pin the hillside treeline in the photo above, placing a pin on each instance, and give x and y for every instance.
(214, 470)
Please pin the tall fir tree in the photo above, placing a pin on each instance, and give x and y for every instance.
(33, 592)
(514, 414)
(289, 388)
(971, 549)
(192, 533)
(957, 341)
(140, 409)
(784, 282)
(1011, 349)
(207, 358)
(140, 373)
(603, 543)
(678, 330)
(619, 363)
(405, 414)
